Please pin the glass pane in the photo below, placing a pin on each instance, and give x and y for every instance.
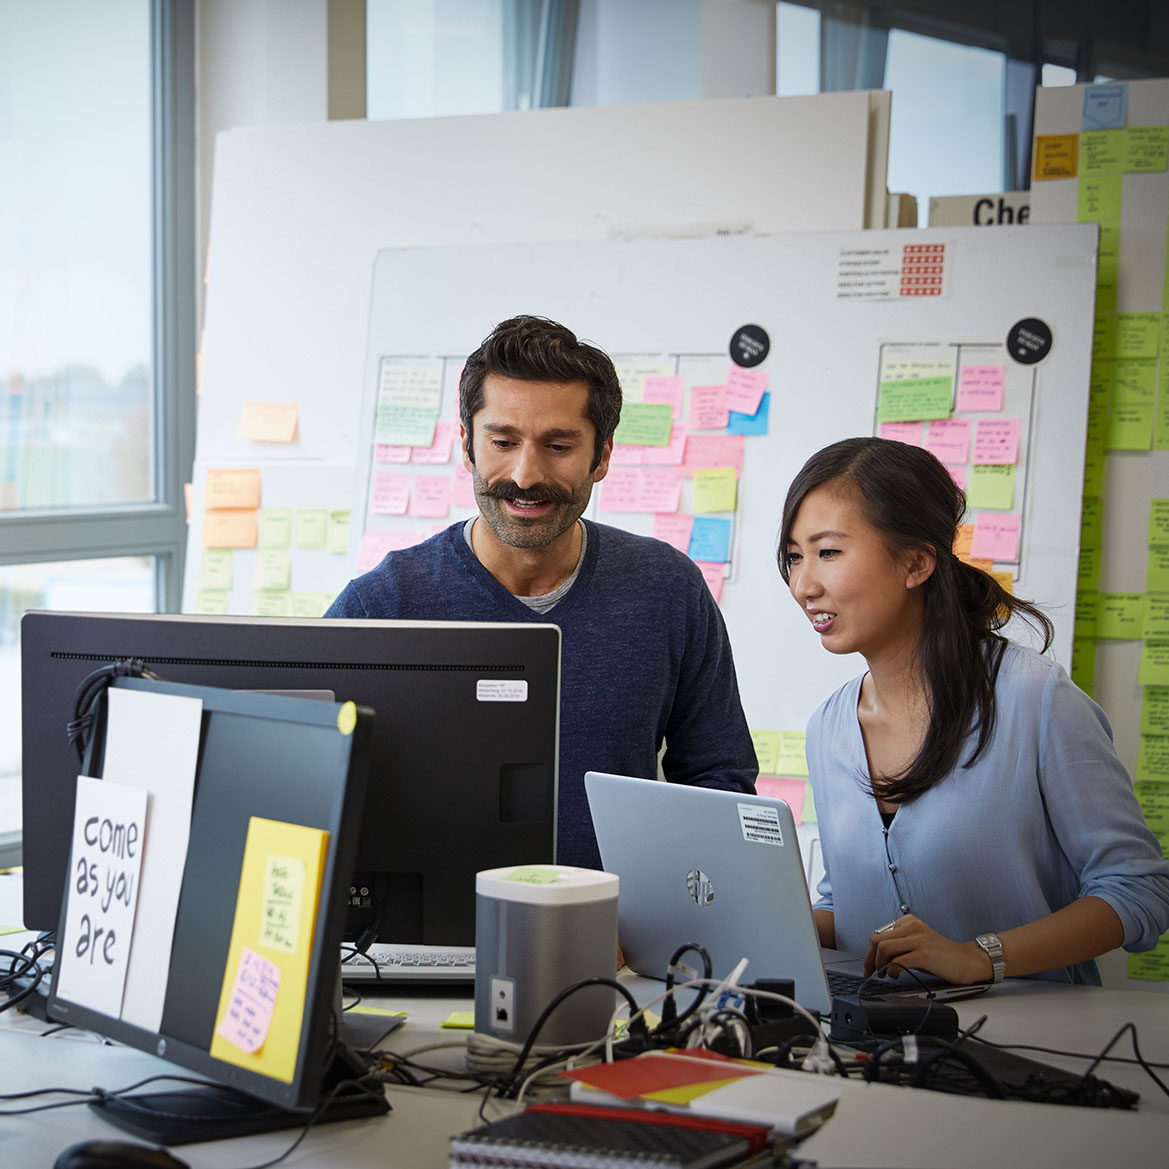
(76, 312)
(946, 131)
(124, 585)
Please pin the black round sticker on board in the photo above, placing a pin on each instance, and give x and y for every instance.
(750, 345)
(1029, 341)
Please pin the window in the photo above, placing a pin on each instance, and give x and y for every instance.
(97, 303)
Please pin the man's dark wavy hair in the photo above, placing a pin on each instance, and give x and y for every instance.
(535, 349)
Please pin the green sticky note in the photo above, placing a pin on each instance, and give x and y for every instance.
(215, 568)
(1102, 152)
(1091, 520)
(1155, 710)
(1088, 573)
(1103, 335)
(766, 745)
(809, 807)
(310, 527)
(991, 486)
(211, 602)
(1100, 387)
(1086, 610)
(1153, 798)
(407, 403)
(1157, 617)
(1159, 523)
(306, 604)
(337, 540)
(1157, 571)
(1094, 461)
(1098, 197)
(914, 399)
(1161, 412)
(1137, 335)
(273, 568)
(275, 527)
(530, 875)
(1083, 669)
(1146, 148)
(715, 489)
(1130, 427)
(1120, 615)
(1152, 964)
(645, 424)
(792, 758)
(460, 1020)
(1153, 758)
(1154, 667)
(271, 603)
(1135, 383)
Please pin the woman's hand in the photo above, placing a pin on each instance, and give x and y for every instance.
(908, 943)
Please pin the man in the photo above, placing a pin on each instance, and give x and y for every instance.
(644, 651)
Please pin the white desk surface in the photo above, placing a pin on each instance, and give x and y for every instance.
(875, 1125)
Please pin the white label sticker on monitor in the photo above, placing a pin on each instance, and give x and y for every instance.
(760, 824)
(501, 690)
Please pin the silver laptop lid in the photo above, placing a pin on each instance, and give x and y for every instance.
(716, 867)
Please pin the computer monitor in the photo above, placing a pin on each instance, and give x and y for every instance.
(463, 759)
(270, 826)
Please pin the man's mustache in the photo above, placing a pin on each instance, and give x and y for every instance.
(541, 493)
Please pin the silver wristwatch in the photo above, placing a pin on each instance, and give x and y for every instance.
(994, 949)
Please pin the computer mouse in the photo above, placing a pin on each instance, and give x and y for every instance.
(102, 1154)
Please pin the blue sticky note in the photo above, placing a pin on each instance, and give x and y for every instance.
(1105, 107)
(710, 539)
(750, 423)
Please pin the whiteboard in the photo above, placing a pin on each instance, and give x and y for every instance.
(653, 302)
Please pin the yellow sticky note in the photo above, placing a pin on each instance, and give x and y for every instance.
(1158, 523)
(1091, 520)
(1153, 798)
(1102, 152)
(268, 421)
(1130, 427)
(1056, 156)
(211, 603)
(462, 1020)
(1006, 581)
(1099, 198)
(310, 527)
(215, 569)
(1087, 607)
(1120, 615)
(531, 875)
(715, 489)
(792, 758)
(273, 568)
(275, 527)
(232, 487)
(1157, 617)
(1153, 758)
(271, 838)
(1088, 574)
(1138, 335)
(1157, 571)
(1146, 148)
(766, 744)
(271, 603)
(337, 540)
(1154, 667)
(991, 486)
(1152, 964)
(809, 807)
(306, 604)
(1135, 383)
(1155, 710)
(283, 894)
(1083, 669)
(1103, 335)
(229, 528)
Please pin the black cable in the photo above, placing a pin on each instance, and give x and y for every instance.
(89, 690)
(670, 1017)
(1141, 1063)
(1131, 1028)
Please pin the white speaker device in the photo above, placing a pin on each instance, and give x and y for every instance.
(539, 929)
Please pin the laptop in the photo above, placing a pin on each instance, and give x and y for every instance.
(724, 869)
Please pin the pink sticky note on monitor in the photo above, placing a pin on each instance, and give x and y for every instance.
(664, 388)
(980, 388)
(708, 408)
(713, 575)
(791, 791)
(621, 490)
(432, 497)
(391, 454)
(439, 451)
(391, 493)
(253, 999)
(996, 441)
(661, 489)
(462, 487)
(669, 455)
(674, 530)
(948, 439)
(996, 537)
(906, 432)
(744, 388)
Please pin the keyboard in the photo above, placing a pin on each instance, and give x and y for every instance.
(385, 962)
(841, 982)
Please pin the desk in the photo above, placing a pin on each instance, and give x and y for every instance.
(875, 1125)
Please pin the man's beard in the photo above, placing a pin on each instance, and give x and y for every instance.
(540, 531)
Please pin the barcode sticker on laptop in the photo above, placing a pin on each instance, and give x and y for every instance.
(760, 824)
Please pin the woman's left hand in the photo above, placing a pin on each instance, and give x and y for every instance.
(908, 943)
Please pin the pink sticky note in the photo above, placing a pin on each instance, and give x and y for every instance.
(906, 432)
(439, 451)
(253, 999)
(958, 474)
(374, 546)
(391, 493)
(996, 537)
(392, 454)
(463, 487)
(626, 456)
(708, 409)
(661, 489)
(948, 439)
(397, 540)
(674, 530)
(432, 496)
(669, 455)
(744, 389)
(621, 490)
(791, 791)
(713, 575)
(996, 441)
(714, 450)
(980, 388)
(663, 388)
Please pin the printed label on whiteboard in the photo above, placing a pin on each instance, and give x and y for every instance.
(501, 690)
(760, 824)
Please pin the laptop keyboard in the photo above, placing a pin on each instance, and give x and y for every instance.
(384, 962)
(841, 982)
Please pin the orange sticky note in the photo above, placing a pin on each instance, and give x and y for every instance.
(1056, 156)
(962, 538)
(232, 487)
(230, 528)
(268, 421)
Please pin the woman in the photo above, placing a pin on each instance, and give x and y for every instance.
(974, 817)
